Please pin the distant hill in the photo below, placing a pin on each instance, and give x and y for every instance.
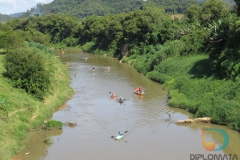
(15, 15)
(83, 8)
(230, 2)
(4, 17)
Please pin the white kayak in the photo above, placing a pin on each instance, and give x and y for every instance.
(119, 136)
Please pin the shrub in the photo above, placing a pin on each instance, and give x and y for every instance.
(40, 48)
(28, 70)
(53, 124)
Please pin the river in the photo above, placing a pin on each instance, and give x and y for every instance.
(151, 134)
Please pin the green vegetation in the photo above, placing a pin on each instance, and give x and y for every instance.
(33, 82)
(53, 124)
(48, 141)
(84, 8)
(197, 58)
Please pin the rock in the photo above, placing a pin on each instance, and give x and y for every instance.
(71, 123)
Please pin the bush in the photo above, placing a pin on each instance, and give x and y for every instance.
(40, 48)
(53, 124)
(88, 46)
(157, 76)
(28, 70)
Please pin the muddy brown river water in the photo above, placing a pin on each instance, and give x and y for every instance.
(151, 135)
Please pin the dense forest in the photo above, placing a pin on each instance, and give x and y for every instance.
(197, 58)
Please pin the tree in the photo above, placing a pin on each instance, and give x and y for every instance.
(213, 10)
(193, 13)
(10, 40)
(238, 6)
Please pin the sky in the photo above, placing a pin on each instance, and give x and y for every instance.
(16, 6)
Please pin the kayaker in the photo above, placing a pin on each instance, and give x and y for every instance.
(120, 100)
(113, 95)
(120, 133)
(136, 90)
(139, 89)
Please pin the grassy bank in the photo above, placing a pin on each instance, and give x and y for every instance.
(25, 112)
(193, 87)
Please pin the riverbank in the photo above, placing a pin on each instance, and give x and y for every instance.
(26, 112)
(195, 88)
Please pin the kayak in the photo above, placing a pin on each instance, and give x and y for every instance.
(119, 136)
(120, 100)
(140, 93)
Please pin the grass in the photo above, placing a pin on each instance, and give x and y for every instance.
(25, 112)
(193, 86)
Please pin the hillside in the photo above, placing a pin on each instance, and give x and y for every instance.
(83, 8)
(4, 17)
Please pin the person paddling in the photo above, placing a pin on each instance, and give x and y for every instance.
(140, 89)
(113, 95)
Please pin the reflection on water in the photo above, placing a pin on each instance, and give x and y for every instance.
(151, 134)
(35, 148)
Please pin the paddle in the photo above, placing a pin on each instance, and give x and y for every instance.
(115, 136)
(122, 99)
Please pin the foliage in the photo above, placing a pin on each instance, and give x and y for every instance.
(4, 107)
(225, 49)
(86, 8)
(28, 70)
(53, 124)
(48, 141)
(45, 29)
(26, 112)
(40, 48)
(10, 40)
(212, 10)
(5, 28)
(197, 57)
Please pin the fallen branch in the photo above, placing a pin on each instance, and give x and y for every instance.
(195, 120)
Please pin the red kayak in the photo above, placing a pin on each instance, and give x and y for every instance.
(140, 92)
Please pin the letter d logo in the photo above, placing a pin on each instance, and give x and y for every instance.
(210, 146)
